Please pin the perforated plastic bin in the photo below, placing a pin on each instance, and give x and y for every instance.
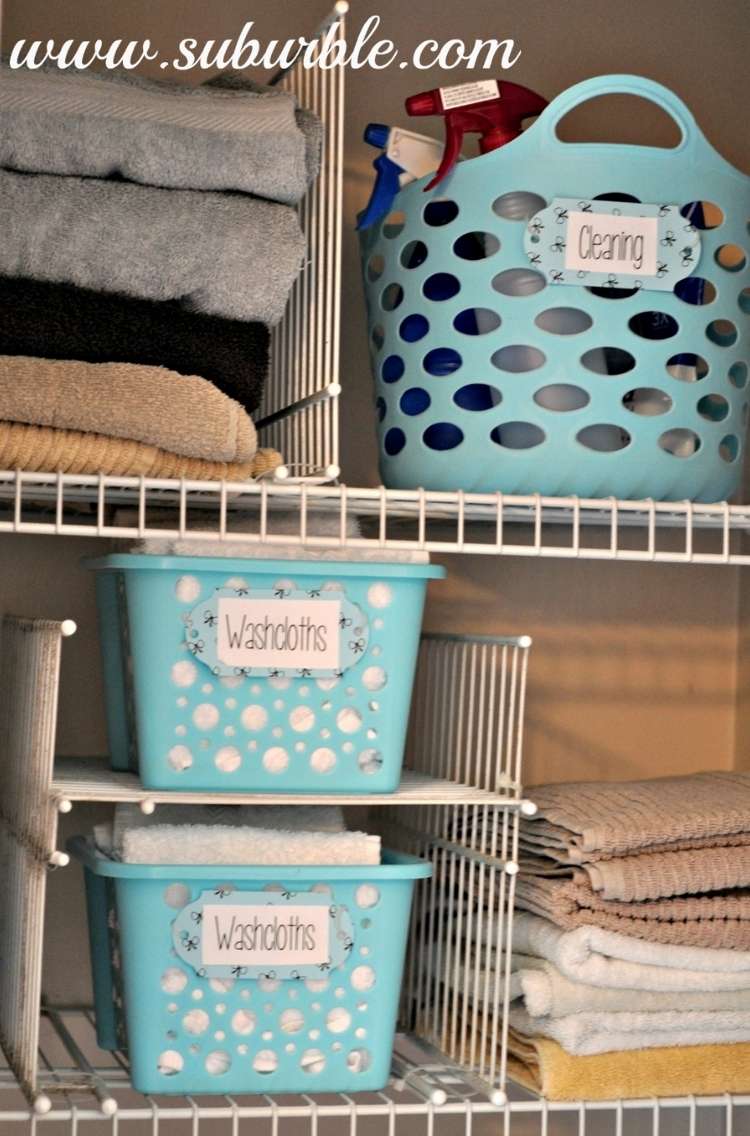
(197, 1014)
(492, 375)
(259, 675)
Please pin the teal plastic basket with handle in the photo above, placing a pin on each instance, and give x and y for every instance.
(492, 377)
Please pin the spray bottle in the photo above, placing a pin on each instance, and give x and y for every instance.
(406, 156)
(495, 109)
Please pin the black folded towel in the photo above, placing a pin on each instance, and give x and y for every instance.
(60, 321)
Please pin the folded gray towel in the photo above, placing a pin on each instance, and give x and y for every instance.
(218, 253)
(230, 134)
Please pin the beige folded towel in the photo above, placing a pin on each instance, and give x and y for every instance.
(183, 414)
(44, 449)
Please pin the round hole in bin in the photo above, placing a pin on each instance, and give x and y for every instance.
(375, 267)
(563, 321)
(687, 367)
(381, 408)
(517, 435)
(477, 396)
(413, 328)
(738, 374)
(744, 301)
(392, 296)
(476, 246)
(603, 438)
(647, 401)
(653, 325)
(731, 257)
(617, 195)
(442, 361)
(519, 282)
(606, 293)
(722, 332)
(392, 369)
(413, 254)
(394, 441)
(680, 442)
(518, 358)
(608, 360)
(702, 214)
(518, 205)
(729, 448)
(441, 286)
(695, 290)
(394, 224)
(476, 321)
(440, 212)
(561, 397)
(713, 407)
(415, 401)
(443, 436)
(377, 335)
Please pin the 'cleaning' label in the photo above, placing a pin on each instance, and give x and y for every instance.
(620, 244)
(467, 93)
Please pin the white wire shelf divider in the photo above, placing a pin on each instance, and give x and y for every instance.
(299, 412)
(133, 508)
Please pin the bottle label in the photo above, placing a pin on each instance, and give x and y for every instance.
(467, 93)
(612, 245)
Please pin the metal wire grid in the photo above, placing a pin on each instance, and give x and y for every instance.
(477, 524)
(299, 412)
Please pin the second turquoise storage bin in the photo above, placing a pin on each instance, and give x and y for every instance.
(190, 1025)
(259, 675)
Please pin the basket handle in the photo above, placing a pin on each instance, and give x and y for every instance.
(601, 85)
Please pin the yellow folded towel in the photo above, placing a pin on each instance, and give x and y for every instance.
(183, 414)
(43, 449)
(544, 1067)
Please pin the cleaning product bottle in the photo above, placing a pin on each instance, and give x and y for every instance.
(492, 108)
(406, 157)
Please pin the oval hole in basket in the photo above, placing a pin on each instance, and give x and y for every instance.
(377, 335)
(442, 361)
(738, 374)
(394, 224)
(392, 369)
(604, 438)
(722, 332)
(647, 401)
(441, 286)
(729, 448)
(653, 325)
(695, 290)
(375, 267)
(380, 407)
(732, 258)
(687, 367)
(394, 441)
(744, 301)
(564, 321)
(476, 245)
(713, 407)
(518, 358)
(477, 396)
(413, 254)
(518, 205)
(476, 321)
(517, 435)
(415, 401)
(443, 436)
(440, 212)
(702, 214)
(679, 442)
(608, 361)
(392, 296)
(413, 328)
(562, 397)
(519, 282)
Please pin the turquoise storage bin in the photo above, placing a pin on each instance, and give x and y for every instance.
(488, 374)
(269, 1029)
(183, 719)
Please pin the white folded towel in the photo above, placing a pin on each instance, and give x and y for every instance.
(606, 958)
(586, 1034)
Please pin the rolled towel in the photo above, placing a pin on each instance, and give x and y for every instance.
(230, 135)
(585, 1034)
(543, 1066)
(44, 449)
(608, 959)
(219, 253)
(185, 415)
(59, 321)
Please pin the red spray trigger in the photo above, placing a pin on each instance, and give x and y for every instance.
(494, 109)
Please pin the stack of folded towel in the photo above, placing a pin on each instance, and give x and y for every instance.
(149, 242)
(631, 954)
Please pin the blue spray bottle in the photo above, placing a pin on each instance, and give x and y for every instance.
(406, 157)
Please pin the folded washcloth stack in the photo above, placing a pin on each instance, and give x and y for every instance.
(234, 834)
(631, 954)
(149, 243)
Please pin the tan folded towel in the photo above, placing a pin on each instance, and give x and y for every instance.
(43, 449)
(183, 414)
(721, 920)
(543, 1066)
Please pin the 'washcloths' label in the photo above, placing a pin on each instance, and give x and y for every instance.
(603, 244)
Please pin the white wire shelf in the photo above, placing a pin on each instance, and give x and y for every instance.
(397, 520)
(422, 1086)
(90, 779)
